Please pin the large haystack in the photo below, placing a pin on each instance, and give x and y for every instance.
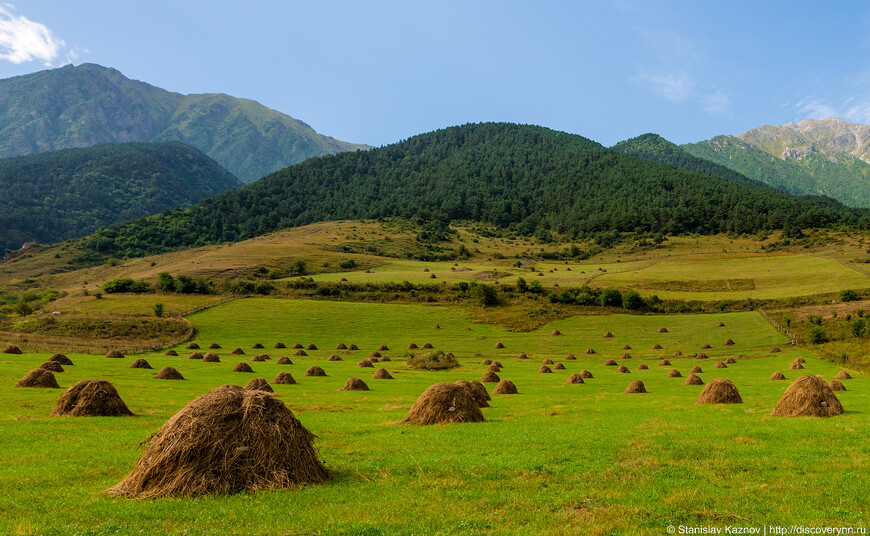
(195, 355)
(843, 375)
(382, 374)
(314, 370)
(243, 367)
(574, 379)
(836, 385)
(284, 360)
(168, 373)
(777, 376)
(490, 377)
(141, 363)
(61, 358)
(808, 396)
(586, 374)
(225, 441)
(444, 403)
(172, 353)
(478, 392)
(114, 354)
(91, 398)
(720, 391)
(674, 373)
(694, 379)
(51, 366)
(505, 387)
(355, 384)
(211, 357)
(284, 378)
(38, 377)
(259, 384)
(12, 349)
(636, 386)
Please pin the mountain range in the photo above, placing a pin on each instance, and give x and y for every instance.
(84, 105)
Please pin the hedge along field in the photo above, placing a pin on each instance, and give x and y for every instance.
(554, 459)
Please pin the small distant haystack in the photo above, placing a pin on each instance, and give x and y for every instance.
(91, 398)
(505, 387)
(259, 357)
(586, 374)
(570, 357)
(412, 346)
(664, 363)
(375, 354)
(555, 333)
(192, 346)
(694, 379)
(627, 347)
(259, 384)
(382, 374)
(284, 360)
(608, 335)
(279, 345)
(114, 354)
(636, 386)
(696, 370)
(334, 357)
(436, 327)
(702, 355)
(720, 391)
(51, 366)
(494, 368)
(559, 366)
(574, 379)
(777, 376)
(674, 373)
(808, 396)
(705, 346)
(523, 355)
(257, 346)
(355, 384)
(383, 348)
(243, 367)
(836, 385)
(544, 370)
(12, 349)
(642, 366)
(486, 362)
(238, 351)
(843, 375)
(211, 357)
(720, 364)
(800, 360)
(626, 356)
(38, 377)
(490, 377)
(623, 370)
(775, 350)
(314, 370)
(498, 345)
(284, 378)
(610, 363)
(496, 363)
(365, 363)
(311, 346)
(720, 325)
(225, 441)
(301, 353)
(141, 363)
(168, 373)
(663, 330)
(341, 346)
(730, 361)
(297, 346)
(678, 353)
(427, 345)
(353, 347)
(444, 403)
(478, 392)
(657, 346)
(795, 365)
(172, 353)
(729, 342)
(214, 346)
(590, 351)
(61, 358)
(547, 361)
(195, 355)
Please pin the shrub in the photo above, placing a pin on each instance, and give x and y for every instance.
(485, 295)
(348, 264)
(165, 282)
(848, 295)
(125, 284)
(535, 286)
(632, 300)
(611, 297)
(858, 327)
(433, 361)
(158, 309)
(522, 285)
(817, 335)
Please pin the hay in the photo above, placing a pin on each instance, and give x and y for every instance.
(843, 375)
(341, 346)
(257, 346)
(636, 386)
(657, 346)
(720, 325)
(91, 398)
(494, 368)
(168, 373)
(412, 346)
(496, 363)
(279, 345)
(427, 345)
(195, 355)
(297, 346)
(214, 346)
(355, 384)
(590, 351)
(836, 385)
(574, 379)
(505, 387)
(729, 342)
(523, 356)
(51, 366)
(775, 350)
(664, 363)
(233, 440)
(627, 347)
(375, 354)
(608, 335)
(365, 363)
(720, 391)
(38, 377)
(243, 367)
(642, 366)
(382, 374)
(678, 353)
(623, 370)
(498, 345)
(570, 357)
(211, 357)
(559, 366)
(730, 361)
(141, 363)
(383, 348)
(444, 403)
(795, 365)
(301, 353)
(663, 330)
(544, 370)
(693, 379)
(477, 390)
(586, 374)
(334, 357)
(114, 354)
(284, 378)
(777, 376)
(490, 377)
(192, 346)
(387, 358)
(696, 370)
(353, 347)
(486, 362)
(547, 361)
(720, 364)
(259, 357)
(61, 358)
(555, 333)
(610, 363)
(800, 360)
(259, 384)
(172, 353)
(238, 351)
(12, 349)
(284, 360)
(626, 356)
(702, 355)
(311, 346)
(808, 396)
(705, 346)
(314, 370)
(674, 373)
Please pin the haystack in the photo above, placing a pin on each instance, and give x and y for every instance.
(38, 377)
(636, 386)
(61, 358)
(238, 351)
(664, 363)
(355, 384)
(192, 346)
(547, 361)
(383, 348)
(311, 346)
(720, 391)
(626, 356)
(233, 440)
(678, 353)
(444, 403)
(494, 368)
(168, 373)
(843, 375)
(642, 366)
(795, 365)
(558, 366)
(114, 354)
(284, 378)
(172, 353)
(729, 342)
(800, 360)
(498, 345)
(214, 346)
(259, 384)
(141, 363)
(544, 370)
(777, 376)
(243, 367)
(427, 345)
(808, 396)
(610, 363)
(574, 379)
(353, 347)
(555, 333)
(195, 355)
(91, 398)
(623, 370)
(375, 359)
(720, 325)
(702, 355)
(730, 361)
(257, 346)
(51, 366)
(694, 379)
(412, 346)
(365, 363)
(341, 346)
(505, 387)
(314, 370)
(720, 364)
(297, 346)
(571, 357)
(279, 345)
(490, 377)
(836, 385)
(674, 373)
(382, 374)
(705, 346)
(11, 349)
(608, 335)
(301, 353)
(334, 357)
(375, 354)
(663, 330)
(486, 362)
(627, 347)
(478, 392)
(775, 350)
(696, 370)
(284, 360)
(211, 357)
(586, 374)
(590, 351)
(259, 357)
(657, 346)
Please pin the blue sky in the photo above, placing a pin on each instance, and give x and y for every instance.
(379, 71)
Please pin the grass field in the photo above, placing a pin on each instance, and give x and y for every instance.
(555, 459)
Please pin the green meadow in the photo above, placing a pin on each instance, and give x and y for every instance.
(553, 459)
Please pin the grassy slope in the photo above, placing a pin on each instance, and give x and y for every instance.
(555, 459)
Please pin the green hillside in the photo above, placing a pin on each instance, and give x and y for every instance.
(528, 178)
(89, 105)
(49, 197)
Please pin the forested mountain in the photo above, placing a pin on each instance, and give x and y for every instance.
(53, 196)
(89, 105)
(811, 157)
(528, 178)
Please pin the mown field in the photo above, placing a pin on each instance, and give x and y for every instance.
(554, 459)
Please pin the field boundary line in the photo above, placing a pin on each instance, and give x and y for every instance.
(793, 340)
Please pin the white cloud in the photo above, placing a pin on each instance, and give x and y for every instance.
(22, 40)
(715, 103)
(816, 108)
(675, 86)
